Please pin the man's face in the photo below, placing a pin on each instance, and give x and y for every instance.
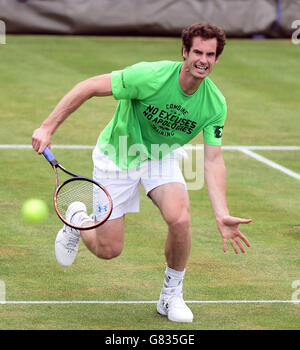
(201, 58)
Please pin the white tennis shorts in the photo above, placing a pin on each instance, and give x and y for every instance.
(124, 185)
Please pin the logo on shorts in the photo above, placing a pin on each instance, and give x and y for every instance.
(103, 208)
(218, 131)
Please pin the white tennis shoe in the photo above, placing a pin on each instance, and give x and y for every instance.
(68, 239)
(174, 307)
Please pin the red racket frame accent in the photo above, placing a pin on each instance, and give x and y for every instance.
(76, 177)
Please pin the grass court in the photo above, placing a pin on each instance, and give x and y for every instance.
(252, 291)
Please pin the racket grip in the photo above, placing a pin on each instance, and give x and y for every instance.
(49, 156)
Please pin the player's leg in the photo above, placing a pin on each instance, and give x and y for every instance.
(106, 241)
(173, 201)
(167, 189)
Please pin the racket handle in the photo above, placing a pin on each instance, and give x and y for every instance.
(49, 156)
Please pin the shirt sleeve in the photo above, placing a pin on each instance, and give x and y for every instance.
(134, 82)
(213, 132)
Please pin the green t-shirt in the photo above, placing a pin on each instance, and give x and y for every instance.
(154, 116)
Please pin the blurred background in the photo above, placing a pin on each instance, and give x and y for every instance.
(239, 18)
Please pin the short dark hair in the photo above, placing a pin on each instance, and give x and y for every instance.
(205, 31)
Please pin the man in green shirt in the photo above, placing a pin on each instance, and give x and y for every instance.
(162, 106)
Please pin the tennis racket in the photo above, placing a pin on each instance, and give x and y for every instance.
(79, 189)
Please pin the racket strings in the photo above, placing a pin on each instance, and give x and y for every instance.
(86, 192)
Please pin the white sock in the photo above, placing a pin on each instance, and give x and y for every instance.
(173, 281)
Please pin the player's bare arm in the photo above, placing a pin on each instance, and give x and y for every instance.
(215, 177)
(95, 86)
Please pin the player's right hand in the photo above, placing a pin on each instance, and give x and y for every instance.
(41, 138)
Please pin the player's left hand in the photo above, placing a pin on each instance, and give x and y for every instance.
(229, 229)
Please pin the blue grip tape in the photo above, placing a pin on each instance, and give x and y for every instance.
(48, 155)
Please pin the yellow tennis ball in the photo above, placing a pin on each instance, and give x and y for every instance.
(35, 210)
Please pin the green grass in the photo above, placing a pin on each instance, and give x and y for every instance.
(260, 82)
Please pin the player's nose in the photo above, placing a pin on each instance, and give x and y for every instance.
(203, 60)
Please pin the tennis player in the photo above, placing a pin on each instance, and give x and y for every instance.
(162, 106)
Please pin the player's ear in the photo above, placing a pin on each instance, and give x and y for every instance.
(184, 52)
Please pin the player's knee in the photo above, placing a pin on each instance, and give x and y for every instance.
(108, 252)
(110, 239)
(180, 223)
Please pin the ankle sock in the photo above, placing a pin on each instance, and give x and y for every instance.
(173, 281)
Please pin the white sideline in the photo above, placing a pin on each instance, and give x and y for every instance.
(11, 146)
(270, 163)
(151, 302)
(233, 148)
(244, 149)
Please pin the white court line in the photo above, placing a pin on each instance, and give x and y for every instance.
(254, 148)
(151, 302)
(249, 151)
(244, 149)
(11, 146)
(270, 163)
(234, 148)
